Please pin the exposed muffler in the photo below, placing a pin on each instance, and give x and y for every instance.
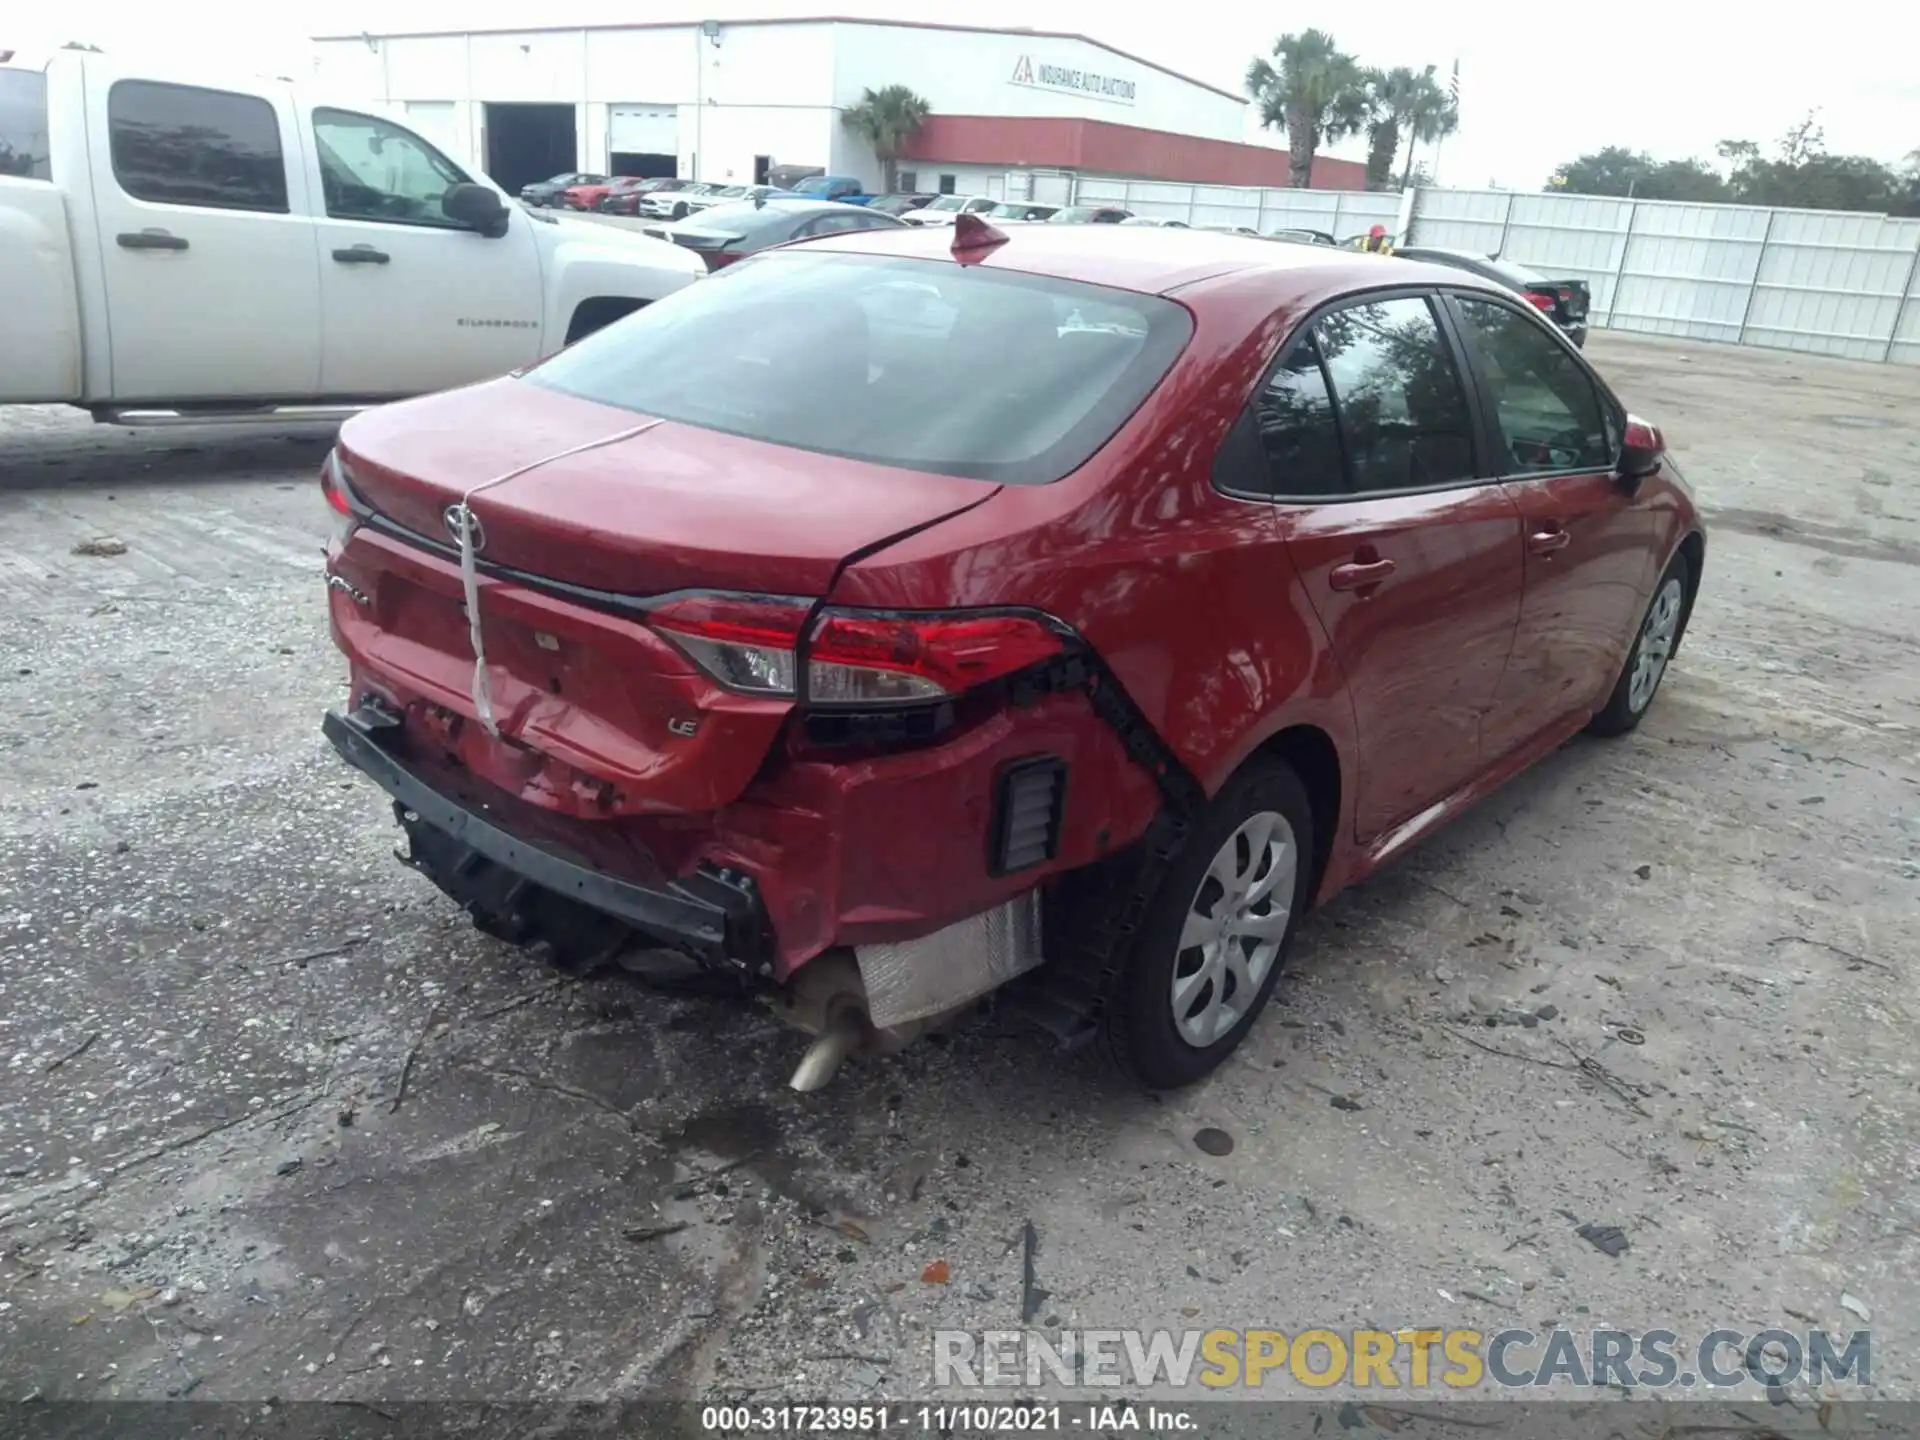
(878, 999)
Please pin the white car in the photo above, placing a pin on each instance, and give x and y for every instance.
(678, 203)
(942, 208)
(1159, 220)
(174, 244)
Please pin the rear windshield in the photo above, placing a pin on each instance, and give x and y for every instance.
(24, 151)
(956, 370)
(1518, 274)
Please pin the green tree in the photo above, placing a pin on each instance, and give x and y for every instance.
(1391, 96)
(1618, 171)
(887, 119)
(1435, 116)
(1315, 93)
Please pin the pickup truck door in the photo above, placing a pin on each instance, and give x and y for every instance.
(205, 244)
(411, 300)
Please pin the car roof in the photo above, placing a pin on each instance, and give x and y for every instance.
(1151, 259)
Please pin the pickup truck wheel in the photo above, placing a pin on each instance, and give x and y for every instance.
(598, 313)
(1216, 932)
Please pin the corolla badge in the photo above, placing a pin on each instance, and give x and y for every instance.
(459, 519)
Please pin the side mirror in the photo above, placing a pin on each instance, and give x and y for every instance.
(1642, 452)
(476, 207)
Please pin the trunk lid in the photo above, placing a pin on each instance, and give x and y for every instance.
(674, 507)
(600, 715)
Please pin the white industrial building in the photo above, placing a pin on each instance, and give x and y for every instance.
(729, 100)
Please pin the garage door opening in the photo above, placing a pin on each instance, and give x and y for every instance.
(646, 165)
(644, 140)
(529, 142)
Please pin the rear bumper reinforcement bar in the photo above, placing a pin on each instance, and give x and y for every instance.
(712, 915)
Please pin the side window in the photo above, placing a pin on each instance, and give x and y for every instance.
(1403, 414)
(1549, 414)
(1299, 434)
(24, 150)
(181, 145)
(833, 225)
(373, 170)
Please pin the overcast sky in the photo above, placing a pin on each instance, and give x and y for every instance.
(1539, 84)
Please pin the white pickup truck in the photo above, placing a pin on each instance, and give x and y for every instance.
(175, 249)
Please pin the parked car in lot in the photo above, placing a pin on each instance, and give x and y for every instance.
(629, 200)
(1565, 302)
(897, 204)
(616, 189)
(731, 194)
(799, 633)
(677, 203)
(844, 188)
(1019, 210)
(1303, 237)
(1157, 220)
(1089, 215)
(1231, 230)
(731, 232)
(175, 244)
(547, 192)
(588, 197)
(940, 210)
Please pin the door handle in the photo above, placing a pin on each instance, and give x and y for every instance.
(1548, 539)
(1359, 574)
(149, 240)
(362, 255)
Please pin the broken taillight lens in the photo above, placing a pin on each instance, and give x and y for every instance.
(854, 658)
(339, 494)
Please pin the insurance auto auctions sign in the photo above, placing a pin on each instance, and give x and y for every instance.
(1074, 82)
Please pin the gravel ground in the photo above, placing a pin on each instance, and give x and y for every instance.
(276, 1123)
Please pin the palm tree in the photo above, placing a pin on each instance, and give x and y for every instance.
(887, 119)
(1316, 93)
(1393, 95)
(1432, 116)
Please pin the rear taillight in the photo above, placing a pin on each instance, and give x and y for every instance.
(1566, 292)
(339, 493)
(717, 258)
(1541, 300)
(854, 658)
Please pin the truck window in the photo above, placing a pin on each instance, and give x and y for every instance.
(371, 169)
(182, 145)
(24, 151)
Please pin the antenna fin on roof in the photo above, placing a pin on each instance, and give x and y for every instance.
(974, 239)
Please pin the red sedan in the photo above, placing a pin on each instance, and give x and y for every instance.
(588, 197)
(905, 613)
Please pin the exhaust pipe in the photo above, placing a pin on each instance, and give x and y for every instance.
(844, 1034)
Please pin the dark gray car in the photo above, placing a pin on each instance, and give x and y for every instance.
(546, 192)
(1564, 302)
(729, 232)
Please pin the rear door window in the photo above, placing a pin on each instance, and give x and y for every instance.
(957, 370)
(182, 145)
(1548, 412)
(1299, 431)
(25, 152)
(1403, 413)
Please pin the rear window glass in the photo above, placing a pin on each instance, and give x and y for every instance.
(24, 149)
(957, 370)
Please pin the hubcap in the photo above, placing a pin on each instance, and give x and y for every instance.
(1234, 927)
(1656, 644)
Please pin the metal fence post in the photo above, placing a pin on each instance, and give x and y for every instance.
(1506, 222)
(1620, 270)
(1900, 305)
(1753, 284)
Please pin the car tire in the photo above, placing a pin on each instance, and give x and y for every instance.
(1654, 642)
(1181, 1005)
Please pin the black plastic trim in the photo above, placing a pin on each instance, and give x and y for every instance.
(1053, 771)
(698, 923)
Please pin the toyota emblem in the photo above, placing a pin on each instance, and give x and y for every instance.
(462, 522)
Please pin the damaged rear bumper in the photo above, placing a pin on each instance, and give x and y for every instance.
(714, 915)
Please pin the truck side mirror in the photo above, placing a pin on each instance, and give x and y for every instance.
(476, 207)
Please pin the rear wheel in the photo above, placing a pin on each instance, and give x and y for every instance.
(1647, 661)
(1216, 932)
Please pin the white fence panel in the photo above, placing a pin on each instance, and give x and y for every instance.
(1461, 219)
(1826, 281)
(1575, 237)
(1832, 283)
